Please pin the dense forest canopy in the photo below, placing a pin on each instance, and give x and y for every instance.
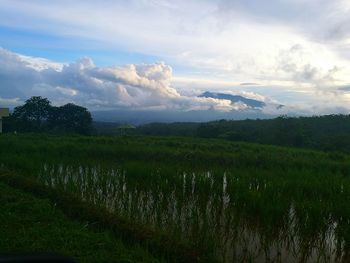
(331, 132)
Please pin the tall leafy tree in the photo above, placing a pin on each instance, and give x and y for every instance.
(37, 115)
(70, 118)
(32, 116)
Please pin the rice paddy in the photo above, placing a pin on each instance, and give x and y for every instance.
(34, 226)
(237, 202)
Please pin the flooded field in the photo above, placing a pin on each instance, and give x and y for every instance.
(239, 202)
(240, 216)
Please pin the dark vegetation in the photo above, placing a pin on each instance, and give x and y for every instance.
(106, 128)
(331, 133)
(195, 198)
(112, 128)
(99, 218)
(38, 115)
(236, 202)
(33, 225)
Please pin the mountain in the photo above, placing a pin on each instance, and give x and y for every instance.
(234, 99)
(139, 117)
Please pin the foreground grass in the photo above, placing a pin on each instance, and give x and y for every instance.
(234, 201)
(30, 224)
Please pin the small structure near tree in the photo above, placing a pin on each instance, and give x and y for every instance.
(4, 112)
(125, 129)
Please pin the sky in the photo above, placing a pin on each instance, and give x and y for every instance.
(160, 54)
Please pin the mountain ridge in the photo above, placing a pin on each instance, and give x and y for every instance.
(234, 99)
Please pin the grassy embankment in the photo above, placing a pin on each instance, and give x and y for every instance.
(33, 225)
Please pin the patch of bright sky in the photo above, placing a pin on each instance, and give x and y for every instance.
(65, 50)
(207, 43)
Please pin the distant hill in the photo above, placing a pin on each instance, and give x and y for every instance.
(138, 117)
(234, 99)
(254, 110)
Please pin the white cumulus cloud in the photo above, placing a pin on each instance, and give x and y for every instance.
(145, 86)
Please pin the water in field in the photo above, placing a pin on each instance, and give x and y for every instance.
(241, 217)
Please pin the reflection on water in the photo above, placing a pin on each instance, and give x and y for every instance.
(241, 219)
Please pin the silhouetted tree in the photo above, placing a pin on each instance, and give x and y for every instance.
(37, 115)
(70, 118)
(32, 116)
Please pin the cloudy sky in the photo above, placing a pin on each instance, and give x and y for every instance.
(160, 54)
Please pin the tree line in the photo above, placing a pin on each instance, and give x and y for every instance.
(38, 115)
(329, 132)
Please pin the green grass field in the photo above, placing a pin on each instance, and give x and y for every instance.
(225, 200)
